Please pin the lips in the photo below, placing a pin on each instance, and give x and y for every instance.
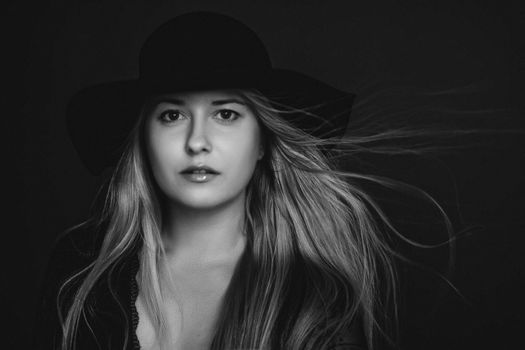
(200, 169)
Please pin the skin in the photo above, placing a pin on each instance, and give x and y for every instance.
(202, 227)
(225, 137)
(187, 129)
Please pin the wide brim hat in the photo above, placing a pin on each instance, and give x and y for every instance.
(198, 51)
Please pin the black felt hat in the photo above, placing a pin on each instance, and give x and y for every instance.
(198, 51)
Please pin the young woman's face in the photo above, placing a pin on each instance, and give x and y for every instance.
(214, 129)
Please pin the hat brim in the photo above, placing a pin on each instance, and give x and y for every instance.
(99, 118)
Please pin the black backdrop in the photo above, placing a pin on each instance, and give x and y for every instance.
(464, 60)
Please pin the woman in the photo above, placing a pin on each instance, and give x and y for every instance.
(225, 224)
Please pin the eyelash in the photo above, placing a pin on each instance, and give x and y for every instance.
(235, 115)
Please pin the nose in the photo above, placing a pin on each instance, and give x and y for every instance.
(197, 141)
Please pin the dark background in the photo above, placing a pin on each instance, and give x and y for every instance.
(459, 62)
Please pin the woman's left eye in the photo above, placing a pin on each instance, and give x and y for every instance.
(227, 115)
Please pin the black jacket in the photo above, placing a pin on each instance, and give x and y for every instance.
(111, 318)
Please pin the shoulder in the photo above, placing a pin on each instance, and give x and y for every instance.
(81, 242)
(81, 239)
(72, 251)
(346, 341)
(351, 338)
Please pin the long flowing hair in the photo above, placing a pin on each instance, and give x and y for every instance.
(317, 259)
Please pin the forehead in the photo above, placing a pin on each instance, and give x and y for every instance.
(205, 96)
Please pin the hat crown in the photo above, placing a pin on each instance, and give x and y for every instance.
(198, 51)
(200, 43)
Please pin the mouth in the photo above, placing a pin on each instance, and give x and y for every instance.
(201, 169)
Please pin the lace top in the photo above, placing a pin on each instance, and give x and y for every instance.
(112, 316)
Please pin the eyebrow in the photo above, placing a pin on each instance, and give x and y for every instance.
(176, 101)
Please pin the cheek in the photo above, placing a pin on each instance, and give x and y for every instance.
(161, 155)
(245, 152)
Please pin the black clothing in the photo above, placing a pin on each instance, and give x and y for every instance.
(110, 318)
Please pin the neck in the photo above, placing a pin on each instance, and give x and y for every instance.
(199, 236)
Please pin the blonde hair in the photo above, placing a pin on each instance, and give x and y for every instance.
(317, 257)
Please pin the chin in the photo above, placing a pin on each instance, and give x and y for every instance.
(196, 199)
(204, 200)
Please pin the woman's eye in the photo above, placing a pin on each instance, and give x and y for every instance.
(227, 115)
(170, 116)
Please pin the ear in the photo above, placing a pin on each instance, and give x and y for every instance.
(261, 152)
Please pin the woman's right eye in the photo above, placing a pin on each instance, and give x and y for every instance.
(170, 116)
